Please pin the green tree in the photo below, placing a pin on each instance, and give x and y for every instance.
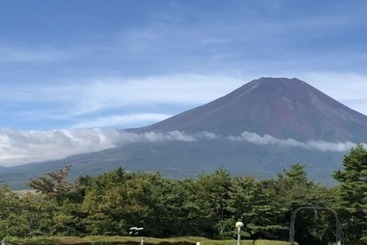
(213, 192)
(250, 204)
(99, 192)
(55, 185)
(35, 215)
(11, 220)
(61, 203)
(184, 211)
(292, 190)
(353, 194)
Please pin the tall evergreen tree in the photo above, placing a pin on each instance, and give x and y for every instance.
(213, 191)
(250, 204)
(353, 194)
(291, 190)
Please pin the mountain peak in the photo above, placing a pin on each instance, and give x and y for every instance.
(280, 107)
(266, 84)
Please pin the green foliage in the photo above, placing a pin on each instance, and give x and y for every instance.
(213, 192)
(208, 206)
(12, 217)
(292, 190)
(250, 204)
(352, 194)
(55, 185)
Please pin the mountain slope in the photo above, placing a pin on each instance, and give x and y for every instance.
(283, 108)
(178, 159)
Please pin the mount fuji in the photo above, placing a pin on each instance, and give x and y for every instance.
(259, 129)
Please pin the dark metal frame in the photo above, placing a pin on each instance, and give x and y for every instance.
(338, 233)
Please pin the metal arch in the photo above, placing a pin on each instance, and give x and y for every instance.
(338, 233)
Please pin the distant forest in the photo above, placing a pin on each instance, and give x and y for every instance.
(208, 206)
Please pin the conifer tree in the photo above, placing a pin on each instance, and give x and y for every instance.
(353, 194)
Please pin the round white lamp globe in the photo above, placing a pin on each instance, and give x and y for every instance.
(239, 224)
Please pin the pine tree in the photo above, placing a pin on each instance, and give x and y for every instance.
(353, 194)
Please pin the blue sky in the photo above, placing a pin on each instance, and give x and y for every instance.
(66, 65)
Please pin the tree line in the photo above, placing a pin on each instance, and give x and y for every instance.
(208, 206)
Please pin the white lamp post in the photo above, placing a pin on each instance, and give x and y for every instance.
(135, 231)
(239, 224)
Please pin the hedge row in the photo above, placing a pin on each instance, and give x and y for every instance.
(117, 240)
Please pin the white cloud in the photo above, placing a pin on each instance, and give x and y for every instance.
(311, 144)
(28, 146)
(155, 137)
(20, 147)
(162, 137)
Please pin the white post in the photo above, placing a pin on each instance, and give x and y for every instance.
(239, 224)
(135, 231)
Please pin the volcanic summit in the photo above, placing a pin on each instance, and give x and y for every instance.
(280, 107)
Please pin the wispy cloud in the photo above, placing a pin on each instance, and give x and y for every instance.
(77, 98)
(117, 120)
(20, 147)
(311, 144)
(177, 54)
(33, 54)
(96, 102)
